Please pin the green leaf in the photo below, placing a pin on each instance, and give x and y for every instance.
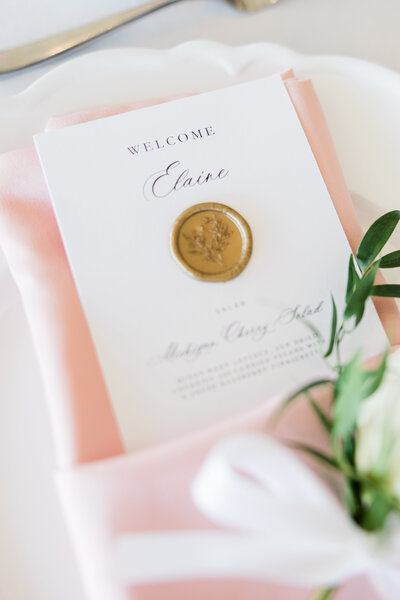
(352, 278)
(350, 498)
(353, 385)
(333, 329)
(356, 304)
(326, 422)
(347, 398)
(373, 379)
(387, 290)
(314, 452)
(376, 237)
(349, 448)
(303, 390)
(375, 515)
(390, 260)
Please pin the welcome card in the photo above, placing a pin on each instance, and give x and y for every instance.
(203, 241)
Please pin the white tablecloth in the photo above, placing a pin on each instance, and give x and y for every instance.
(367, 29)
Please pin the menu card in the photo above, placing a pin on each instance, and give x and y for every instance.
(199, 313)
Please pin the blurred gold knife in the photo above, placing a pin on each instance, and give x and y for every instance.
(30, 54)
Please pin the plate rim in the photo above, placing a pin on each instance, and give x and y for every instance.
(360, 68)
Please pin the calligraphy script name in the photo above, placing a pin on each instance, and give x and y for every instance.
(176, 178)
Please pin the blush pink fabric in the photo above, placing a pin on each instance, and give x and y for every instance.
(104, 490)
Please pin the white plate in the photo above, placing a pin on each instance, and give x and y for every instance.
(361, 102)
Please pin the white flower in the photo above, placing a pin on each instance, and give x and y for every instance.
(378, 429)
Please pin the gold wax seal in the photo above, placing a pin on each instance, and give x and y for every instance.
(211, 242)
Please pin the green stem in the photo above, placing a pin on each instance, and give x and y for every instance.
(324, 594)
(339, 337)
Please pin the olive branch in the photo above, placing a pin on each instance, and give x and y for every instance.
(366, 497)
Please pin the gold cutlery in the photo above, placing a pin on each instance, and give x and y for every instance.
(30, 54)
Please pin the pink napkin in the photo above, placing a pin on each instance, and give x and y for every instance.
(103, 490)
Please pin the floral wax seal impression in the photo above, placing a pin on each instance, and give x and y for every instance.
(211, 241)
